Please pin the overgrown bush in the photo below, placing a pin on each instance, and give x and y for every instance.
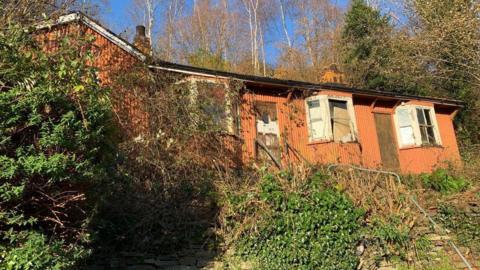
(390, 237)
(443, 181)
(167, 198)
(297, 225)
(54, 140)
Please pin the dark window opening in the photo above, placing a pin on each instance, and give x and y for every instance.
(426, 126)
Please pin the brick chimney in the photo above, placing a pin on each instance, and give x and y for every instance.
(141, 41)
(332, 75)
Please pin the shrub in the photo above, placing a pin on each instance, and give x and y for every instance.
(306, 226)
(444, 182)
(54, 142)
(37, 252)
(389, 236)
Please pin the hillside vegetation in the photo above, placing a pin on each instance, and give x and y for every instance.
(74, 191)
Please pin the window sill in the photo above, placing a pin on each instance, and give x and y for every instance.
(330, 141)
(421, 146)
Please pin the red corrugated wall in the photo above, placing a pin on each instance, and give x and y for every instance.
(110, 60)
(364, 152)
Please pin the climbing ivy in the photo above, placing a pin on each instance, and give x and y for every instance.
(306, 227)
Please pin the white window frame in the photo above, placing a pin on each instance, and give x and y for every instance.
(325, 110)
(412, 110)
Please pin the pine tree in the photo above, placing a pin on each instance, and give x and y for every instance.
(363, 36)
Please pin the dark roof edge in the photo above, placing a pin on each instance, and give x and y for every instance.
(169, 66)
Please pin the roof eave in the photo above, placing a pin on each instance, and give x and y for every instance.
(172, 67)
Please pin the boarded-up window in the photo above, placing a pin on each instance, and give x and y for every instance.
(340, 120)
(405, 124)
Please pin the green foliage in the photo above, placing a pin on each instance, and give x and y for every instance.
(390, 236)
(443, 181)
(36, 252)
(364, 33)
(305, 227)
(206, 59)
(465, 225)
(54, 140)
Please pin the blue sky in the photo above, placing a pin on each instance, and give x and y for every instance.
(116, 16)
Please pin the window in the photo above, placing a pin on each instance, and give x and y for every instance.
(426, 126)
(416, 126)
(211, 101)
(330, 119)
(340, 120)
(219, 109)
(405, 124)
(316, 127)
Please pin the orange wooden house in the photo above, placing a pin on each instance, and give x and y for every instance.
(293, 121)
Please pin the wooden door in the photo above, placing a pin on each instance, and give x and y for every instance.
(386, 141)
(268, 132)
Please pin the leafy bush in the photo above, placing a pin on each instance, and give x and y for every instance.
(37, 252)
(54, 142)
(305, 226)
(389, 236)
(442, 181)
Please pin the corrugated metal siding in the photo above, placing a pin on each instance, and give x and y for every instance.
(110, 60)
(367, 133)
(293, 129)
(366, 152)
(425, 159)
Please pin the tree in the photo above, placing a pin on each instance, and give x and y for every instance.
(364, 35)
(54, 145)
(212, 28)
(447, 39)
(27, 12)
(144, 13)
(314, 46)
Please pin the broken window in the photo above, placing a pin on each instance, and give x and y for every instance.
(426, 126)
(316, 124)
(268, 132)
(416, 126)
(330, 119)
(340, 120)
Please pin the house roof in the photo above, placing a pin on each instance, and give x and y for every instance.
(302, 85)
(173, 67)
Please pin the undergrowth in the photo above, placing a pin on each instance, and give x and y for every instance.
(288, 223)
(443, 181)
(464, 224)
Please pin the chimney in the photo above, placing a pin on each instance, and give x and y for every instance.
(141, 41)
